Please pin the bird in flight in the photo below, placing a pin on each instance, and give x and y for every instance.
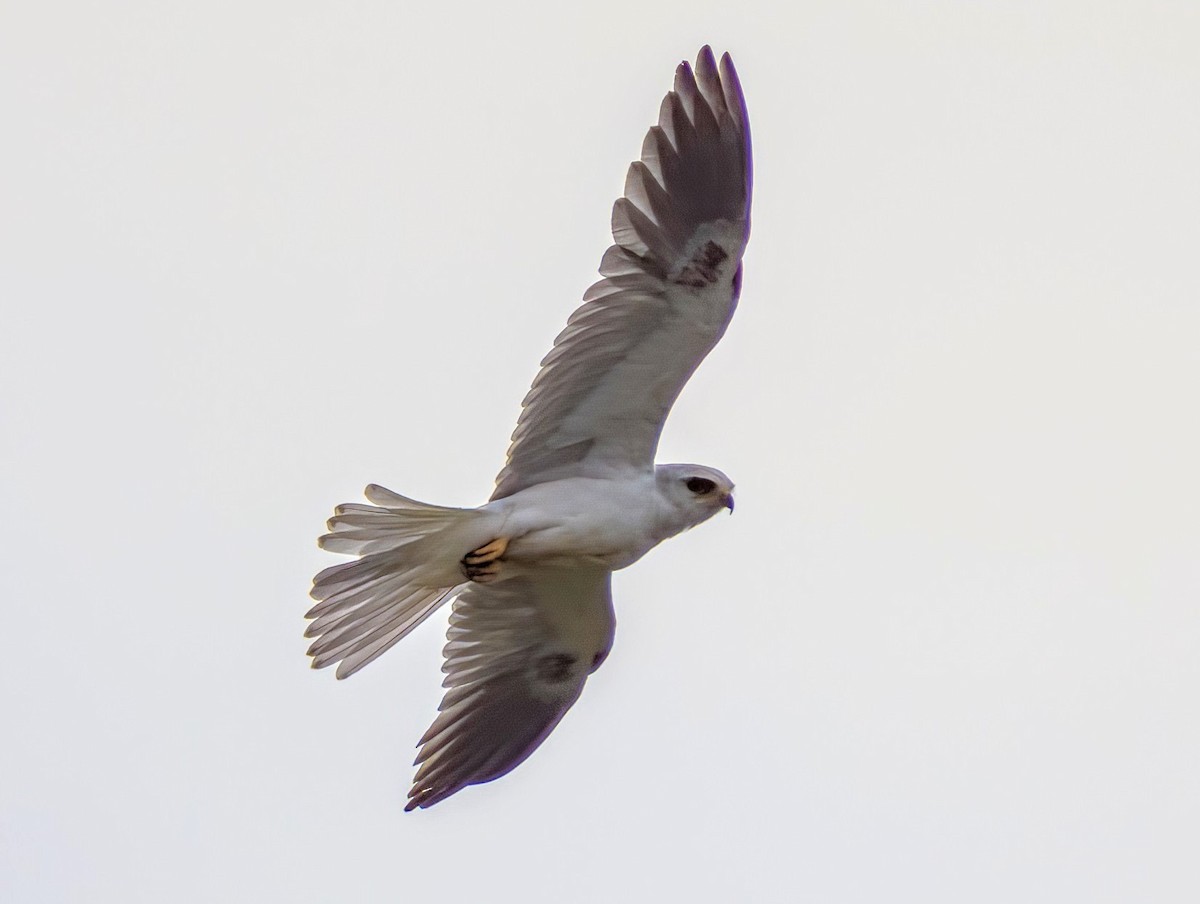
(580, 495)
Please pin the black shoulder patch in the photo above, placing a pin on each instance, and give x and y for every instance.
(704, 267)
(554, 668)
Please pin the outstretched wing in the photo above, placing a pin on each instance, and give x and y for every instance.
(519, 652)
(670, 285)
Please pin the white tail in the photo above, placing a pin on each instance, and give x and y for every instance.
(409, 565)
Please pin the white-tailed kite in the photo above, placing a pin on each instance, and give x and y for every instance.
(580, 494)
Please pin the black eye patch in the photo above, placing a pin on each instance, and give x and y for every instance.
(700, 485)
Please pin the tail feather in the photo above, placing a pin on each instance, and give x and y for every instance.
(364, 542)
(388, 498)
(361, 530)
(363, 655)
(360, 601)
(362, 641)
(408, 567)
(350, 583)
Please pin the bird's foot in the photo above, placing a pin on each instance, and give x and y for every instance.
(482, 565)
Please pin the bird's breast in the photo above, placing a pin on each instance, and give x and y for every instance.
(599, 521)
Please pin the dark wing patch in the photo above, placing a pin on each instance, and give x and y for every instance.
(704, 267)
(555, 668)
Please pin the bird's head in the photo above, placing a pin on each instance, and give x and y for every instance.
(694, 491)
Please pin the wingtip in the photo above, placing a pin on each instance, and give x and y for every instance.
(422, 797)
(735, 100)
(685, 86)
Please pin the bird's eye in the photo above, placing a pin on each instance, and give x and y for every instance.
(700, 485)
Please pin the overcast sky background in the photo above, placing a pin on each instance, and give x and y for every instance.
(255, 256)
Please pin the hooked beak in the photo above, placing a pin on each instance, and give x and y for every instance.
(728, 502)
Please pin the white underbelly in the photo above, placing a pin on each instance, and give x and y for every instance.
(595, 521)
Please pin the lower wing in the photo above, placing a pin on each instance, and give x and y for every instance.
(518, 654)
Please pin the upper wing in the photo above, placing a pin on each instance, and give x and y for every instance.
(518, 654)
(670, 285)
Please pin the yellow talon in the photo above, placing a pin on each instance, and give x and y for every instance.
(483, 564)
(489, 552)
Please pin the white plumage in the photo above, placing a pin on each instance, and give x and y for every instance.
(580, 494)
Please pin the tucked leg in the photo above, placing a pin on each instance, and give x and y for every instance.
(483, 564)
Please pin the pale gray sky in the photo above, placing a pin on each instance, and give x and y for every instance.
(254, 256)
